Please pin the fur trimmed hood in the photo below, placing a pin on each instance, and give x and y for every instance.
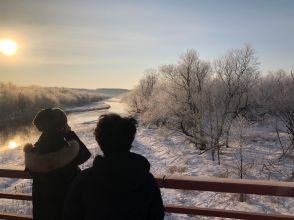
(42, 163)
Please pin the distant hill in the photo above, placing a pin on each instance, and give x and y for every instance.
(111, 91)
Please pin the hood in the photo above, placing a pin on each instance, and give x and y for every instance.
(121, 172)
(42, 163)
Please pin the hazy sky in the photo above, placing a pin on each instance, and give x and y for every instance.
(95, 43)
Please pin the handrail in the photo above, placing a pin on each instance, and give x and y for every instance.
(191, 210)
(8, 216)
(258, 187)
(14, 172)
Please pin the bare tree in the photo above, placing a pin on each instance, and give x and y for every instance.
(282, 107)
(187, 81)
(138, 98)
(242, 163)
(235, 73)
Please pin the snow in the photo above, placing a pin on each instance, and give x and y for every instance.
(169, 152)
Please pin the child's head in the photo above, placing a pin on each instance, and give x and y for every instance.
(114, 133)
(50, 119)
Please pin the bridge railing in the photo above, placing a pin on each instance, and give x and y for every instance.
(257, 187)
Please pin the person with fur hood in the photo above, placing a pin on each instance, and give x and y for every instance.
(53, 163)
(119, 185)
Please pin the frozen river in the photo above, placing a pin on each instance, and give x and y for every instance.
(89, 117)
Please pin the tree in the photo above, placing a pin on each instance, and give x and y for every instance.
(138, 98)
(242, 163)
(235, 73)
(187, 81)
(282, 106)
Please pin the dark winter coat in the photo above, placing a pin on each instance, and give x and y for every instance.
(53, 163)
(117, 187)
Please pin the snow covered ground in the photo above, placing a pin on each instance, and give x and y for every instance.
(170, 153)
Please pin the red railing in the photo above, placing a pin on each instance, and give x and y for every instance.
(258, 187)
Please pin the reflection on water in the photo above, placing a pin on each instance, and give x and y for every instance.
(17, 138)
(12, 144)
(117, 106)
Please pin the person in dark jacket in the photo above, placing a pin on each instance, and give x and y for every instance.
(53, 163)
(119, 186)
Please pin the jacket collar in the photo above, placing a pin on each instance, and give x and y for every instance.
(42, 163)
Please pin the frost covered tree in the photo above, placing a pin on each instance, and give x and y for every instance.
(19, 104)
(202, 100)
(243, 161)
(235, 73)
(282, 107)
(138, 99)
(186, 88)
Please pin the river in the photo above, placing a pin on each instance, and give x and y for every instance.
(76, 119)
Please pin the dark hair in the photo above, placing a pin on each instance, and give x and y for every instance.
(115, 133)
(50, 119)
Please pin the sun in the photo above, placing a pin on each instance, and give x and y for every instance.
(8, 47)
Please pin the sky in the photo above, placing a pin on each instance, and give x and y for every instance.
(109, 44)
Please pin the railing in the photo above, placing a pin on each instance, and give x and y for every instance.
(258, 187)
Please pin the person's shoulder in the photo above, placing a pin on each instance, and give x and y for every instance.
(139, 157)
(40, 162)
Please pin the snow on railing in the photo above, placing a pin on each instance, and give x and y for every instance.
(258, 187)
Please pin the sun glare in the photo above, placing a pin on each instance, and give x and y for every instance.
(12, 145)
(8, 47)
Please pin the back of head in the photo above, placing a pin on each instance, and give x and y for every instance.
(50, 119)
(115, 134)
